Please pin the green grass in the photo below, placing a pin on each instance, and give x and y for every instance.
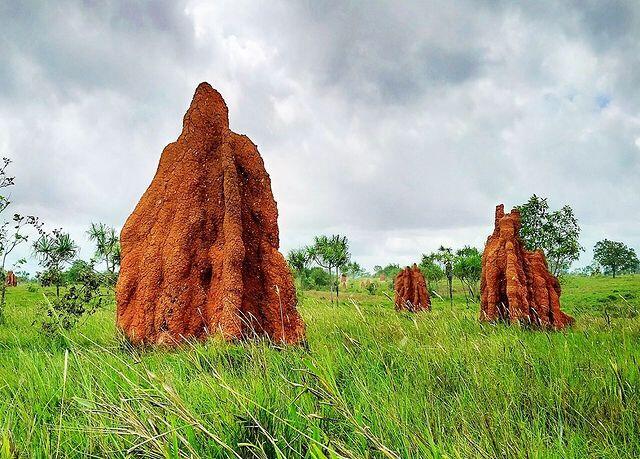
(373, 383)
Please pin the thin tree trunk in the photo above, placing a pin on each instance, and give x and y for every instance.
(450, 290)
(331, 285)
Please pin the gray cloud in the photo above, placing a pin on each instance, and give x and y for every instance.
(399, 124)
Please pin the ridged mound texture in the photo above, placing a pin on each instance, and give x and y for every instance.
(411, 292)
(200, 251)
(516, 284)
(12, 280)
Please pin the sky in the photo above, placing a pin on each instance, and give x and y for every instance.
(399, 124)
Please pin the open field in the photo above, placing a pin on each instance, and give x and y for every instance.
(373, 383)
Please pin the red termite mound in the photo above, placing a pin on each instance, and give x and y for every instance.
(200, 251)
(516, 284)
(411, 291)
(12, 280)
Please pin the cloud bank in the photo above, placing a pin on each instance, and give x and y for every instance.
(399, 124)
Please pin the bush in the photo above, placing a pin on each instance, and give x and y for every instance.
(371, 288)
(317, 279)
(62, 313)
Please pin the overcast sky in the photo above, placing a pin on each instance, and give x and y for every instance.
(398, 124)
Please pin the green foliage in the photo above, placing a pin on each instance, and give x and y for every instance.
(372, 384)
(431, 270)
(317, 278)
(23, 276)
(331, 253)
(299, 260)
(391, 270)
(555, 233)
(75, 271)
(445, 258)
(615, 257)
(371, 288)
(353, 270)
(54, 250)
(62, 313)
(467, 267)
(11, 231)
(107, 246)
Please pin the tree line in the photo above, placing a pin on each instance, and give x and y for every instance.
(318, 265)
(556, 233)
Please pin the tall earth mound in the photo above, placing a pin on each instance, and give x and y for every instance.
(516, 284)
(411, 292)
(12, 280)
(200, 251)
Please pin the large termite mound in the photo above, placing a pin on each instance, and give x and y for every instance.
(12, 280)
(200, 251)
(516, 284)
(411, 292)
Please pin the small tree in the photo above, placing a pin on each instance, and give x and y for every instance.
(467, 267)
(390, 271)
(331, 253)
(53, 252)
(615, 257)
(299, 262)
(107, 248)
(81, 300)
(353, 269)
(555, 233)
(445, 257)
(75, 271)
(431, 270)
(11, 232)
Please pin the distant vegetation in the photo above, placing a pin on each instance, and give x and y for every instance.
(615, 257)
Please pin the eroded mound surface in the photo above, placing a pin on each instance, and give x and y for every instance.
(200, 251)
(516, 284)
(411, 292)
(12, 280)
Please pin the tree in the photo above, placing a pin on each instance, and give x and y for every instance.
(353, 269)
(390, 271)
(331, 253)
(555, 233)
(53, 251)
(107, 247)
(11, 232)
(299, 261)
(75, 271)
(445, 258)
(431, 270)
(467, 267)
(81, 300)
(615, 257)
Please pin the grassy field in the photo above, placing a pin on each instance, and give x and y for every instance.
(373, 383)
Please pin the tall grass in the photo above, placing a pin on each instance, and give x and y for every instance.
(373, 383)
